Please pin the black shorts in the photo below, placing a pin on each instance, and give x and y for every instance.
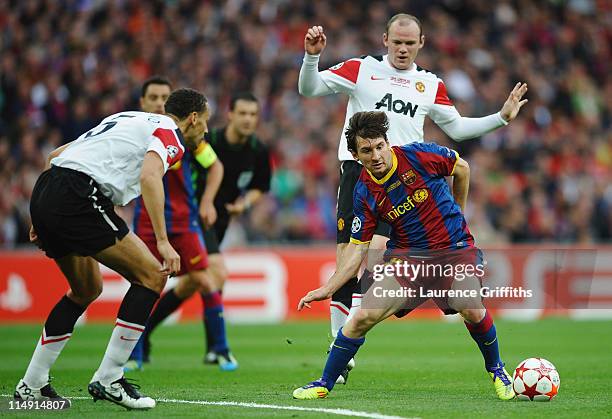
(214, 235)
(71, 215)
(349, 174)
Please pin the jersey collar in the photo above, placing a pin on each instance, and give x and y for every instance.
(388, 175)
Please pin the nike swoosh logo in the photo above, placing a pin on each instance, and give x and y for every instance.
(115, 398)
(195, 260)
(128, 339)
(381, 202)
(340, 347)
(377, 78)
(491, 343)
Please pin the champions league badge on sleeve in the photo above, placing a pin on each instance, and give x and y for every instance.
(172, 151)
(356, 226)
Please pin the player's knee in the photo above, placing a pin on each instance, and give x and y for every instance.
(473, 315)
(217, 270)
(185, 287)
(364, 320)
(202, 281)
(153, 280)
(465, 304)
(85, 297)
(148, 274)
(223, 273)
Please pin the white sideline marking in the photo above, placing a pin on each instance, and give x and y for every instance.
(341, 412)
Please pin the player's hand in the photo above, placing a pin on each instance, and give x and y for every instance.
(315, 40)
(513, 104)
(319, 294)
(34, 237)
(236, 208)
(172, 261)
(208, 214)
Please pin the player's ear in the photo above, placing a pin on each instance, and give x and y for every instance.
(355, 156)
(385, 39)
(422, 41)
(193, 118)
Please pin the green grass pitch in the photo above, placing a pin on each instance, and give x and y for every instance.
(407, 368)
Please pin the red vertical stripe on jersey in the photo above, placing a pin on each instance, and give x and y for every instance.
(430, 216)
(348, 70)
(436, 164)
(433, 223)
(442, 96)
(169, 139)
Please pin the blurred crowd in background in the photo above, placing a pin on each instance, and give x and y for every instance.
(65, 64)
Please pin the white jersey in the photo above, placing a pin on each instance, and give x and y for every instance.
(406, 96)
(112, 153)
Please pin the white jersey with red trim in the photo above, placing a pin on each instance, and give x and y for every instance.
(406, 96)
(112, 153)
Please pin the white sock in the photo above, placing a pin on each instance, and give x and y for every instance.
(355, 305)
(46, 352)
(123, 340)
(338, 313)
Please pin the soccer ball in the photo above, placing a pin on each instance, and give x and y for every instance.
(536, 379)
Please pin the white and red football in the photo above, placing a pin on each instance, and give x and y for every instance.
(536, 379)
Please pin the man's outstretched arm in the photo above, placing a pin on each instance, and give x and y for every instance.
(462, 128)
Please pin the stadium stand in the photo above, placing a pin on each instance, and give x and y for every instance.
(547, 177)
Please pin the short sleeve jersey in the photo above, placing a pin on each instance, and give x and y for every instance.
(112, 153)
(415, 199)
(406, 96)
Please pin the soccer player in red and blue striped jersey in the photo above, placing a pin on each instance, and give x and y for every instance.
(415, 184)
(406, 187)
(181, 215)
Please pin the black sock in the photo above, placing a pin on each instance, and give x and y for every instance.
(137, 304)
(62, 318)
(168, 303)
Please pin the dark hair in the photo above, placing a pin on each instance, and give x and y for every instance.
(403, 17)
(368, 125)
(182, 102)
(247, 96)
(154, 80)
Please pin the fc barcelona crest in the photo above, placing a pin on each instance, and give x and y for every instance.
(408, 178)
